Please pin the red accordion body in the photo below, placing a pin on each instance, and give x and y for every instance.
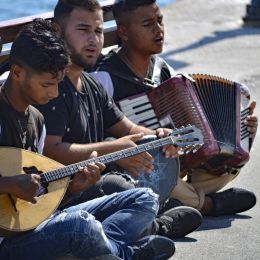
(215, 105)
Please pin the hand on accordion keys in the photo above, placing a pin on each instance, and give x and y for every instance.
(170, 151)
(251, 121)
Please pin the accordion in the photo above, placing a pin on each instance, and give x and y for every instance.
(215, 105)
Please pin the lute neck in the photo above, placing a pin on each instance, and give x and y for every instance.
(71, 169)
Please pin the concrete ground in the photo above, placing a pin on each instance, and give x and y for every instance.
(208, 37)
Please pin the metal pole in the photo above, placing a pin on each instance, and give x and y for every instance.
(252, 17)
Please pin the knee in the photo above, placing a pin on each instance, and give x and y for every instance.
(89, 233)
(146, 198)
(86, 224)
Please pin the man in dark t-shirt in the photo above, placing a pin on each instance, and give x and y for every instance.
(105, 226)
(78, 118)
(80, 115)
(33, 79)
(21, 129)
(134, 68)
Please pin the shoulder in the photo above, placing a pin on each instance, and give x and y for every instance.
(110, 61)
(161, 62)
(87, 77)
(162, 67)
(92, 83)
(105, 59)
(104, 78)
(37, 115)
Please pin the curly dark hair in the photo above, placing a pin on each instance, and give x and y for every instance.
(64, 7)
(40, 47)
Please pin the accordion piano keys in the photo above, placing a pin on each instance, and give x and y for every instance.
(215, 105)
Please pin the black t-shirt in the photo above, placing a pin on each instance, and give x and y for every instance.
(80, 117)
(125, 82)
(21, 129)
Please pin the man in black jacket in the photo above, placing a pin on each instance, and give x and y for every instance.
(134, 68)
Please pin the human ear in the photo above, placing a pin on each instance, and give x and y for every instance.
(16, 71)
(122, 33)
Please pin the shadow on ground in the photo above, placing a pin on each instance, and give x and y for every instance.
(206, 40)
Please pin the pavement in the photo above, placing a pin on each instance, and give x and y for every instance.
(209, 37)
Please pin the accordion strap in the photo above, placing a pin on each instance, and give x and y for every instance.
(156, 76)
(149, 83)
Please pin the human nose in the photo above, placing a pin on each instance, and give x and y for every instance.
(159, 28)
(93, 37)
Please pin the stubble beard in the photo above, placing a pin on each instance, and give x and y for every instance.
(83, 63)
(77, 59)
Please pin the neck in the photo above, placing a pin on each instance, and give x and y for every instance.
(73, 73)
(13, 97)
(138, 63)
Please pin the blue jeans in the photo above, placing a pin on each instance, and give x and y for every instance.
(106, 225)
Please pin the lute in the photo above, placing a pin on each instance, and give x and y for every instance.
(17, 215)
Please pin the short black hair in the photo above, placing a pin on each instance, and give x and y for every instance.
(64, 7)
(40, 47)
(122, 7)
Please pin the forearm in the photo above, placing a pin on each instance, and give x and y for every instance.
(141, 129)
(67, 153)
(127, 127)
(6, 185)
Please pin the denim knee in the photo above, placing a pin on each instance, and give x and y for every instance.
(147, 199)
(89, 237)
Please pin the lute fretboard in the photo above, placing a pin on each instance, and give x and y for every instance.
(71, 169)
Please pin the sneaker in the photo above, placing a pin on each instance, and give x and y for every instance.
(232, 201)
(169, 204)
(156, 248)
(178, 222)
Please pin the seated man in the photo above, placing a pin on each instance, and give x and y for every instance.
(77, 119)
(134, 68)
(108, 225)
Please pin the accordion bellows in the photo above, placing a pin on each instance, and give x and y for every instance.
(215, 105)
